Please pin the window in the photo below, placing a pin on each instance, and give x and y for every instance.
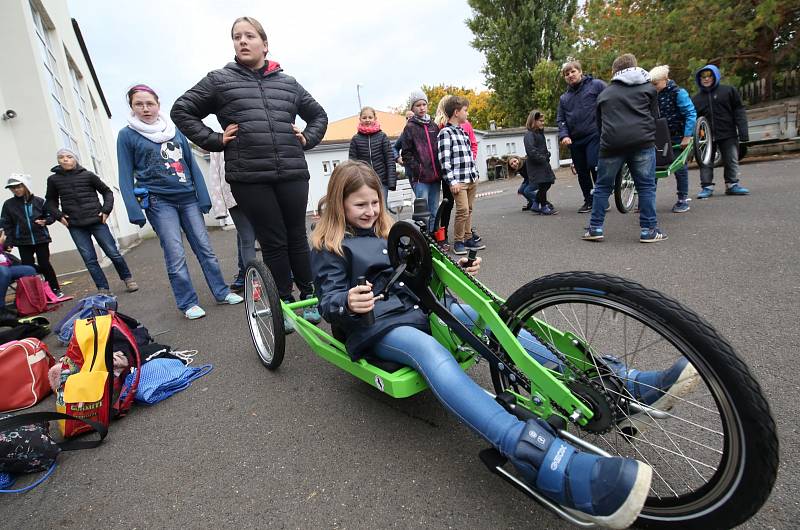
(63, 118)
(511, 148)
(491, 149)
(326, 167)
(335, 163)
(85, 120)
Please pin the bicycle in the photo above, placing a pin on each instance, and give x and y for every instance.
(713, 446)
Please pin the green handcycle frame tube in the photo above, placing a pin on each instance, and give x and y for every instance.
(546, 387)
(678, 162)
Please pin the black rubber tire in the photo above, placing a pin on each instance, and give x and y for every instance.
(624, 190)
(733, 494)
(261, 294)
(703, 143)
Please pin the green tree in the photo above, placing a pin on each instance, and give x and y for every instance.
(548, 87)
(514, 35)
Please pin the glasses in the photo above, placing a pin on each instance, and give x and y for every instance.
(148, 105)
(706, 76)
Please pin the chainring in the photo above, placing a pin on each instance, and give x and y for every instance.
(597, 398)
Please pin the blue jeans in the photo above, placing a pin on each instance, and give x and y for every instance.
(642, 165)
(681, 175)
(82, 236)
(529, 192)
(8, 275)
(453, 388)
(729, 149)
(584, 154)
(168, 220)
(430, 192)
(245, 241)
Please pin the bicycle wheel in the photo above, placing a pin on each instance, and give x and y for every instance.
(264, 314)
(710, 440)
(624, 190)
(703, 142)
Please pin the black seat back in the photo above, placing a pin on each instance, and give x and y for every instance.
(664, 153)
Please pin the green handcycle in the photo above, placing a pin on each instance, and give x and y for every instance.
(700, 147)
(713, 446)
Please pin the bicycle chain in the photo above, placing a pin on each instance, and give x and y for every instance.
(506, 314)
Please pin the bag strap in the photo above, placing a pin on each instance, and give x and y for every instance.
(67, 445)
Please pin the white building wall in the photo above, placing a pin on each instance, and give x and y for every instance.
(321, 162)
(28, 143)
(499, 145)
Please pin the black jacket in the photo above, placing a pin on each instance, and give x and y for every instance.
(537, 163)
(77, 190)
(723, 107)
(626, 114)
(17, 219)
(365, 254)
(376, 150)
(265, 105)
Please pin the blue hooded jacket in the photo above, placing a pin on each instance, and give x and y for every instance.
(722, 106)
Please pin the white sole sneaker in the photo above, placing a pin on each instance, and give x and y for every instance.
(685, 384)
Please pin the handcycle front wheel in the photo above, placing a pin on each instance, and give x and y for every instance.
(710, 440)
(625, 194)
(264, 314)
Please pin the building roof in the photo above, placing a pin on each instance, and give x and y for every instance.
(344, 129)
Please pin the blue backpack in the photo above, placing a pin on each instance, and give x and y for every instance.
(96, 304)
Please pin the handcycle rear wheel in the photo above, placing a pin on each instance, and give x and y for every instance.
(714, 450)
(625, 194)
(703, 143)
(264, 314)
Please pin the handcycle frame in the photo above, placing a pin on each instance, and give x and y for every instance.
(548, 394)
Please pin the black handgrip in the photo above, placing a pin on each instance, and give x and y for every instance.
(368, 318)
(471, 258)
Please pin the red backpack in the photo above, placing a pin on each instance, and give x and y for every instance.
(91, 388)
(30, 298)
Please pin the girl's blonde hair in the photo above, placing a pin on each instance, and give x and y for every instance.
(365, 109)
(440, 118)
(347, 178)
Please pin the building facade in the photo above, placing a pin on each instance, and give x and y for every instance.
(50, 88)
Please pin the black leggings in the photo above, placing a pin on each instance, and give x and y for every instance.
(278, 215)
(541, 193)
(42, 251)
(447, 208)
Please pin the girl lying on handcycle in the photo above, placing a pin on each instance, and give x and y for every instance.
(349, 242)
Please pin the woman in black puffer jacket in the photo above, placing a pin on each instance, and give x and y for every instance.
(256, 104)
(371, 145)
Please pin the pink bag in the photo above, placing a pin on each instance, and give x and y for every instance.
(51, 296)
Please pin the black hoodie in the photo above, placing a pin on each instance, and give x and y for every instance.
(77, 189)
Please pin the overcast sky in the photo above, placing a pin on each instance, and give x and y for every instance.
(390, 48)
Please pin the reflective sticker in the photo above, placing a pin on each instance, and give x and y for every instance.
(379, 382)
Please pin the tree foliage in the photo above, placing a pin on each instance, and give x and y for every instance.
(483, 105)
(514, 36)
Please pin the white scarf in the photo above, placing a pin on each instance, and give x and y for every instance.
(160, 131)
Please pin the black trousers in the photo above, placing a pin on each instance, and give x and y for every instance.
(42, 252)
(541, 193)
(447, 208)
(278, 215)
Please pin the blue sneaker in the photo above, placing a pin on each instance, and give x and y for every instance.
(652, 235)
(658, 389)
(547, 209)
(231, 299)
(311, 313)
(459, 248)
(593, 234)
(737, 190)
(194, 312)
(610, 491)
(288, 326)
(681, 206)
(472, 244)
(475, 236)
(705, 193)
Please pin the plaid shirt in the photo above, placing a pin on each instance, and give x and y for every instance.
(455, 155)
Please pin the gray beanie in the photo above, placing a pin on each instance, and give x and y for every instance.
(67, 150)
(416, 95)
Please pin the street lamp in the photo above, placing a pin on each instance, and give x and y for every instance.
(358, 92)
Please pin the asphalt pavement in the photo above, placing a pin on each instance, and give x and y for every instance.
(308, 446)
